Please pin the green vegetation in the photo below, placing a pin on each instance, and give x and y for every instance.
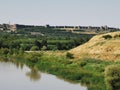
(89, 72)
(41, 38)
(95, 74)
(112, 77)
(69, 55)
(34, 48)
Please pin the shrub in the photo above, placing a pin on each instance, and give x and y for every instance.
(4, 51)
(34, 48)
(44, 48)
(107, 36)
(117, 36)
(69, 55)
(33, 57)
(83, 63)
(112, 77)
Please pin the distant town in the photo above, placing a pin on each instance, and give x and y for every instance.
(14, 27)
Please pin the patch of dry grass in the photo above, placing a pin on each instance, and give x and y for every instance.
(104, 46)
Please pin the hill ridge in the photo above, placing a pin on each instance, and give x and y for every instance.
(103, 46)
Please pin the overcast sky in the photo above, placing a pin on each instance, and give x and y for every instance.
(61, 12)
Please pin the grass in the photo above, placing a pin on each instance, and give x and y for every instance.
(104, 47)
(87, 71)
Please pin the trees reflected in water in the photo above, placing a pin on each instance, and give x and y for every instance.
(34, 75)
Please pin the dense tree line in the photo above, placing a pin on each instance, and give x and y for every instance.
(43, 39)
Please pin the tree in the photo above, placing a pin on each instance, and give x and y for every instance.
(44, 42)
(33, 57)
(37, 43)
(21, 51)
(0, 43)
(59, 46)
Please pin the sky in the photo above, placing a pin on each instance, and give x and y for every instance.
(61, 12)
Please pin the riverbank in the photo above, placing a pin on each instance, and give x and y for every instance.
(87, 71)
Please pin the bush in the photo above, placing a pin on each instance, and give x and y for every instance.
(34, 57)
(4, 51)
(34, 48)
(52, 47)
(44, 48)
(107, 36)
(117, 36)
(83, 63)
(112, 77)
(69, 55)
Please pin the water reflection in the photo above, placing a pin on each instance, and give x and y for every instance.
(10, 72)
(92, 82)
(34, 75)
(19, 64)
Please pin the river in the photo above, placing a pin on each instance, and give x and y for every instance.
(15, 77)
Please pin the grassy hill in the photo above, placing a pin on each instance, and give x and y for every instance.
(104, 46)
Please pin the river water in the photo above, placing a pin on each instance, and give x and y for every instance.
(14, 77)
